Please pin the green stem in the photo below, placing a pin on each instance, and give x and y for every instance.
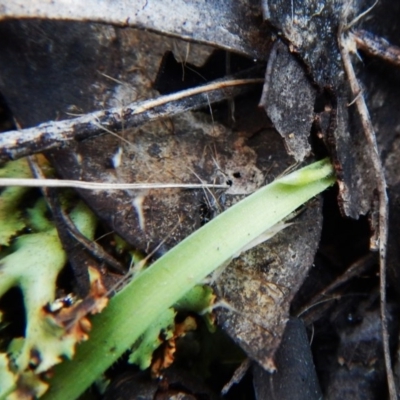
(132, 310)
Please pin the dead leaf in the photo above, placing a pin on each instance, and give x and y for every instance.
(258, 287)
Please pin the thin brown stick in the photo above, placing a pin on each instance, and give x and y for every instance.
(368, 129)
(360, 16)
(93, 247)
(376, 46)
(354, 270)
(237, 376)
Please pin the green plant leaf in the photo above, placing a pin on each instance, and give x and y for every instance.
(161, 285)
(7, 377)
(33, 265)
(11, 220)
(150, 340)
(199, 299)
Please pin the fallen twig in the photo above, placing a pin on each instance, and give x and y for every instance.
(355, 269)
(376, 46)
(237, 376)
(56, 134)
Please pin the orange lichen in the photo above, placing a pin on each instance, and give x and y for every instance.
(166, 356)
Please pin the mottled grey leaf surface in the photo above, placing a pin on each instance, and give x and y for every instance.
(259, 286)
(288, 98)
(240, 26)
(310, 27)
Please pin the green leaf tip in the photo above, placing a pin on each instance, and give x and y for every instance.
(322, 169)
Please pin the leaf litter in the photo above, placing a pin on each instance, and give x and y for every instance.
(355, 199)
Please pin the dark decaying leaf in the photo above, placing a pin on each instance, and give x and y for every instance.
(240, 25)
(296, 377)
(288, 99)
(310, 30)
(382, 88)
(259, 286)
